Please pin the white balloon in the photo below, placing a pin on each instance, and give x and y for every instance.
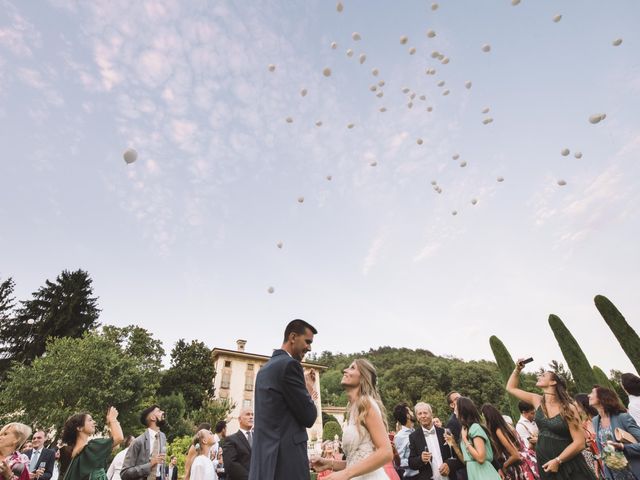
(434, 6)
(405, 90)
(318, 123)
(363, 58)
(435, 54)
(272, 67)
(430, 71)
(382, 109)
(441, 83)
(412, 50)
(578, 155)
(562, 183)
(339, 7)
(404, 39)
(439, 190)
(515, 2)
(433, 182)
(463, 164)
(486, 47)
(564, 152)
(373, 88)
(485, 110)
(431, 33)
(326, 72)
(350, 53)
(419, 141)
(500, 179)
(380, 94)
(374, 163)
(289, 120)
(597, 118)
(351, 125)
(557, 18)
(303, 92)
(454, 213)
(474, 201)
(271, 289)
(300, 199)
(456, 156)
(445, 60)
(410, 105)
(381, 83)
(487, 121)
(279, 244)
(423, 97)
(329, 177)
(617, 42)
(356, 36)
(412, 96)
(446, 92)
(334, 45)
(130, 155)
(375, 72)
(429, 109)
(467, 84)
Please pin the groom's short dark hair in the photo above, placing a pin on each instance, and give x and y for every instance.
(297, 326)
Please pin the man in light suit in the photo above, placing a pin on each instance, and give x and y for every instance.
(38, 455)
(237, 448)
(146, 454)
(284, 409)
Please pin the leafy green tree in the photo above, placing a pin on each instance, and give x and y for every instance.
(7, 305)
(212, 411)
(63, 308)
(624, 333)
(179, 447)
(175, 408)
(330, 430)
(506, 365)
(75, 375)
(328, 418)
(191, 373)
(615, 378)
(573, 354)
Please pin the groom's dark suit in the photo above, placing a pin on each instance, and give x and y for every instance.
(283, 411)
(418, 444)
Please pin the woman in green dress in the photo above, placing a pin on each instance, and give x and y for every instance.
(561, 437)
(89, 457)
(475, 448)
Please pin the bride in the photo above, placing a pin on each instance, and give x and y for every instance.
(364, 438)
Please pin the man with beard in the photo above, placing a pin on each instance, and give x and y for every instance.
(145, 457)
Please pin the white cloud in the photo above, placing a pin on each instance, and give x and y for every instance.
(373, 254)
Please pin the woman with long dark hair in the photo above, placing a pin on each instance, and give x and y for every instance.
(510, 448)
(612, 416)
(475, 448)
(590, 453)
(89, 457)
(560, 437)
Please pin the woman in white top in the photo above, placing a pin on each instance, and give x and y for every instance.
(116, 465)
(364, 439)
(631, 384)
(202, 466)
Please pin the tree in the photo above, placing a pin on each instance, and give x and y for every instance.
(573, 354)
(76, 375)
(64, 308)
(179, 447)
(175, 409)
(506, 366)
(626, 336)
(330, 430)
(191, 373)
(7, 305)
(212, 411)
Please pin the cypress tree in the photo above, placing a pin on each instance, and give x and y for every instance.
(573, 355)
(506, 366)
(627, 336)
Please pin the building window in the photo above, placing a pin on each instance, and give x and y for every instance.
(250, 367)
(224, 393)
(227, 363)
(248, 381)
(246, 404)
(226, 379)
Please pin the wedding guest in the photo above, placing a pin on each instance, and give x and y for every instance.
(364, 438)
(526, 426)
(14, 465)
(202, 466)
(429, 453)
(437, 422)
(453, 426)
(89, 457)
(41, 460)
(590, 453)
(192, 453)
(404, 416)
(474, 447)
(146, 455)
(327, 452)
(613, 415)
(116, 464)
(631, 384)
(514, 460)
(560, 438)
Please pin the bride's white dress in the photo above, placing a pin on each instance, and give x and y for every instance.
(357, 445)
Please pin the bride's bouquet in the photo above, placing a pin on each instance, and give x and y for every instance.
(613, 458)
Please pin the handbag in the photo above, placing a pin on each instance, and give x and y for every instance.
(623, 436)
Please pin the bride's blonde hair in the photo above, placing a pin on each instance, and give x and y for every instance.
(367, 393)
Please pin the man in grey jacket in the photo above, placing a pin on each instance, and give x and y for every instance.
(145, 456)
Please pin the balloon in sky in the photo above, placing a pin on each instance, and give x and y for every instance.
(272, 67)
(557, 18)
(564, 152)
(326, 72)
(617, 42)
(597, 118)
(130, 155)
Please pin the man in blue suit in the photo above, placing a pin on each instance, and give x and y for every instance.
(284, 409)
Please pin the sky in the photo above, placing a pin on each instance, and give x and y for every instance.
(184, 241)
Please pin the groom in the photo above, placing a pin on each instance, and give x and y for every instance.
(284, 409)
